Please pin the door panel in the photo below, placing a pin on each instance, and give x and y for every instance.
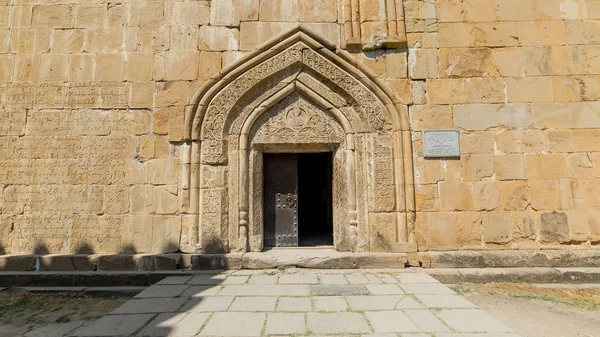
(281, 200)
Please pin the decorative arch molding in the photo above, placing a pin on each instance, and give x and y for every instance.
(289, 80)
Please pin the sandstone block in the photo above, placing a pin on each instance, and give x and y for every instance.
(583, 32)
(471, 62)
(496, 34)
(533, 141)
(183, 38)
(187, 12)
(318, 11)
(510, 61)
(4, 41)
(516, 116)
(545, 166)
(7, 64)
(52, 68)
(245, 10)
(166, 231)
(90, 15)
(449, 10)
(545, 194)
(477, 142)
(530, 89)
(475, 116)
(422, 63)
(559, 140)
(567, 60)
(53, 16)
(373, 34)
(430, 117)
(469, 229)
(455, 196)
(146, 13)
(481, 10)
(396, 63)
(68, 41)
(426, 198)
(228, 58)
(456, 34)
(181, 65)
(576, 88)
(554, 227)
(539, 33)
(486, 195)
(278, 10)
(573, 10)
(104, 39)
(548, 10)
(579, 228)
(514, 195)
(478, 166)
(509, 141)
(485, 90)
(582, 165)
(165, 200)
(139, 67)
(382, 227)
(173, 93)
(109, 67)
(221, 12)
(141, 95)
(430, 171)
(551, 115)
(446, 91)
(218, 38)
(538, 60)
(137, 234)
(585, 115)
(516, 10)
(497, 227)
(585, 140)
(442, 230)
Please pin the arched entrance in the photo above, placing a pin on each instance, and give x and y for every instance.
(296, 95)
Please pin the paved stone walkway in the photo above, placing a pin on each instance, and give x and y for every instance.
(297, 302)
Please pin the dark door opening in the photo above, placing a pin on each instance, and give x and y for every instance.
(314, 194)
(298, 199)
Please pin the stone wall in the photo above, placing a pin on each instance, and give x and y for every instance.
(519, 78)
(94, 94)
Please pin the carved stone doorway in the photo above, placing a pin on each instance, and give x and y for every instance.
(297, 204)
(298, 94)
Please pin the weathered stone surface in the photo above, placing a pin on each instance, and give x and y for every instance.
(120, 127)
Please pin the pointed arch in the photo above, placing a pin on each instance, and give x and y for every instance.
(376, 149)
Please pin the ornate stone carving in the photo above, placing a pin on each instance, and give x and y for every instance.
(296, 96)
(300, 122)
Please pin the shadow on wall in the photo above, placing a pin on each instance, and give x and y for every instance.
(2, 250)
(40, 248)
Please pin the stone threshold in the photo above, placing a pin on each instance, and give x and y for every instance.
(103, 283)
(319, 258)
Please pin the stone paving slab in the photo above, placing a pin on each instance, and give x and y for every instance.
(175, 280)
(114, 326)
(54, 330)
(176, 325)
(234, 324)
(328, 290)
(150, 306)
(299, 302)
(162, 291)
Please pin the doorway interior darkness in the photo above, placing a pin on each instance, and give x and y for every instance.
(298, 182)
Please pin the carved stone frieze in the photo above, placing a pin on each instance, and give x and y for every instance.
(295, 121)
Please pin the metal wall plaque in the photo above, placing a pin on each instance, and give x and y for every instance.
(441, 143)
